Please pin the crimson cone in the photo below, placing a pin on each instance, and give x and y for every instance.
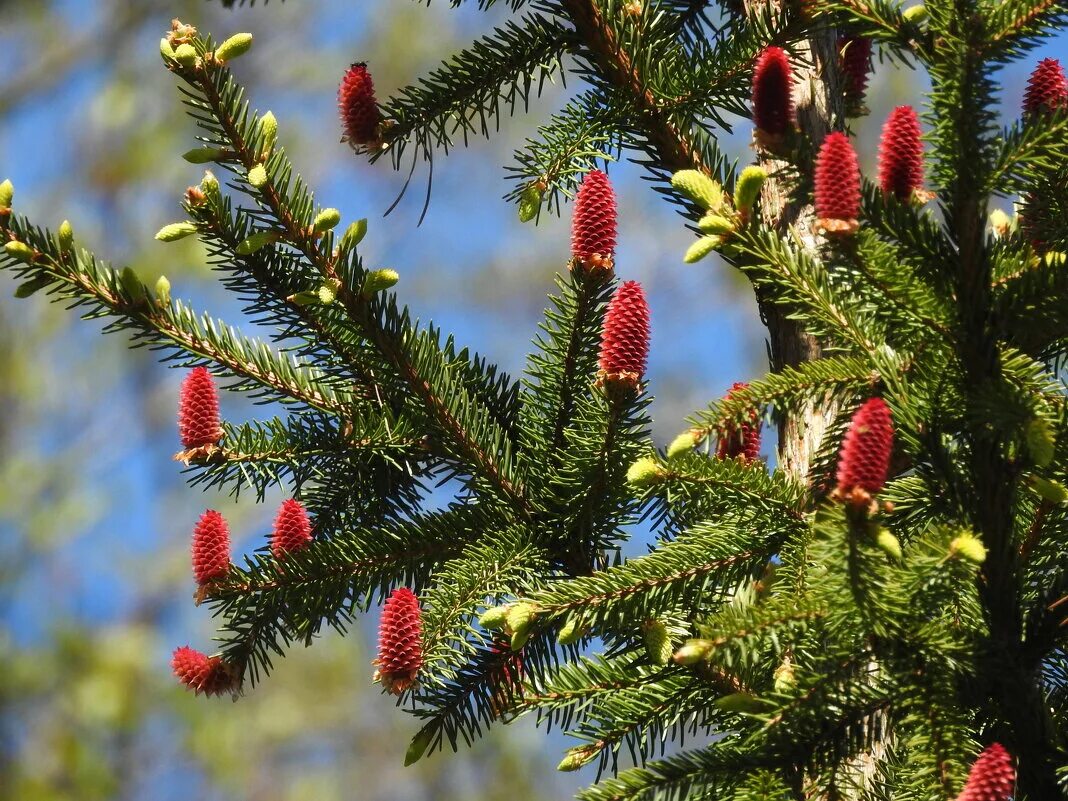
(855, 56)
(773, 105)
(1047, 88)
(400, 647)
(625, 337)
(837, 185)
(200, 672)
(359, 111)
(292, 529)
(901, 154)
(198, 410)
(864, 460)
(593, 223)
(991, 778)
(211, 548)
(744, 442)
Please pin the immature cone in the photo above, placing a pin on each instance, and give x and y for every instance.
(359, 110)
(211, 548)
(991, 778)
(625, 337)
(901, 154)
(292, 529)
(855, 55)
(864, 459)
(1047, 88)
(744, 442)
(400, 646)
(773, 105)
(837, 185)
(198, 410)
(593, 223)
(200, 672)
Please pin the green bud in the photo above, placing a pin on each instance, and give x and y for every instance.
(494, 618)
(420, 743)
(65, 236)
(257, 176)
(379, 280)
(529, 203)
(715, 224)
(577, 757)
(692, 652)
(163, 291)
(328, 292)
(354, 235)
(165, 49)
(888, 543)
(209, 185)
(701, 248)
(175, 231)
(236, 45)
(20, 251)
(269, 130)
(1050, 490)
(186, 55)
(1055, 258)
(203, 155)
(784, 677)
(645, 472)
(132, 285)
(520, 617)
(915, 14)
(519, 640)
(571, 632)
(1041, 441)
(684, 443)
(699, 188)
(1000, 223)
(7, 193)
(747, 189)
(32, 286)
(304, 298)
(739, 702)
(257, 241)
(657, 642)
(325, 220)
(967, 546)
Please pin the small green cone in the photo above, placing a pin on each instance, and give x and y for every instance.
(692, 652)
(65, 236)
(739, 702)
(967, 546)
(132, 285)
(354, 234)
(715, 224)
(236, 45)
(699, 188)
(163, 291)
(175, 231)
(571, 632)
(701, 248)
(7, 193)
(683, 443)
(379, 280)
(20, 251)
(326, 220)
(269, 131)
(578, 756)
(888, 543)
(495, 617)
(203, 155)
(529, 203)
(257, 176)
(644, 472)
(328, 292)
(657, 642)
(747, 189)
(1050, 490)
(186, 55)
(784, 677)
(519, 640)
(520, 616)
(1041, 441)
(915, 14)
(257, 241)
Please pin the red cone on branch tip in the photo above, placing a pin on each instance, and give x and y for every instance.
(864, 460)
(400, 646)
(198, 410)
(855, 55)
(991, 778)
(292, 529)
(1047, 88)
(593, 223)
(202, 673)
(625, 337)
(901, 154)
(359, 110)
(744, 442)
(837, 185)
(211, 547)
(773, 105)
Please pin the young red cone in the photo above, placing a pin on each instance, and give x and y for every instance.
(864, 460)
(625, 337)
(593, 223)
(359, 110)
(855, 58)
(292, 529)
(773, 105)
(991, 778)
(198, 410)
(837, 185)
(1047, 88)
(211, 548)
(901, 154)
(744, 442)
(200, 672)
(400, 647)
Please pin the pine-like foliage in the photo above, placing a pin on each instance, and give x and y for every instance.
(821, 644)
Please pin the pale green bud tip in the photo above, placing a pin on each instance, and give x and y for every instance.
(701, 248)
(529, 203)
(175, 231)
(657, 642)
(916, 13)
(967, 546)
(304, 298)
(203, 155)
(7, 194)
(379, 280)
(645, 472)
(1000, 222)
(520, 616)
(577, 757)
(165, 48)
(571, 632)
(692, 652)
(257, 176)
(65, 236)
(236, 45)
(683, 443)
(186, 55)
(750, 182)
(258, 240)
(131, 283)
(19, 250)
(784, 677)
(888, 543)
(163, 291)
(495, 618)
(738, 702)
(699, 188)
(519, 639)
(328, 292)
(354, 234)
(715, 224)
(1050, 490)
(1041, 441)
(209, 183)
(269, 129)
(326, 220)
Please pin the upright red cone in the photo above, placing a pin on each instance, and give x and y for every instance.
(837, 185)
(1047, 88)
(202, 673)
(593, 223)
(991, 778)
(211, 548)
(292, 529)
(855, 58)
(198, 410)
(359, 110)
(773, 104)
(864, 460)
(400, 645)
(744, 442)
(901, 154)
(625, 338)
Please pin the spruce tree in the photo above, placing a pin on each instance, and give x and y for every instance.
(882, 616)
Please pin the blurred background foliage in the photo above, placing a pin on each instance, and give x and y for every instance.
(94, 516)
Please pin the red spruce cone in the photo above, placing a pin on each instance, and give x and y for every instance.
(292, 529)
(198, 410)
(991, 778)
(1047, 88)
(211, 548)
(773, 104)
(864, 459)
(855, 55)
(593, 223)
(200, 672)
(400, 647)
(625, 337)
(901, 154)
(744, 443)
(837, 185)
(359, 110)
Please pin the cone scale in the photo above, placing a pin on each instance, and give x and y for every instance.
(625, 338)
(594, 223)
(360, 116)
(400, 649)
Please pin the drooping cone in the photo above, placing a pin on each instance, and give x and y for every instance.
(745, 442)
(292, 529)
(200, 672)
(359, 110)
(991, 778)
(625, 338)
(837, 186)
(593, 223)
(400, 646)
(773, 105)
(1047, 88)
(864, 460)
(901, 154)
(198, 410)
(855, 58)
(211, 548)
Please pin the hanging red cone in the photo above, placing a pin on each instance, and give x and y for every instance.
(198, 411)
(593, 223)
(901, 154)
(743, 442)
(773, 105)
(292, 529)
(400, 647)
(864, 459)
(211, 548)
(625, 338)
(837, 186)
(202, 673)
(855, 59)
(359, 110)
(1047, 88)
(991, 778)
